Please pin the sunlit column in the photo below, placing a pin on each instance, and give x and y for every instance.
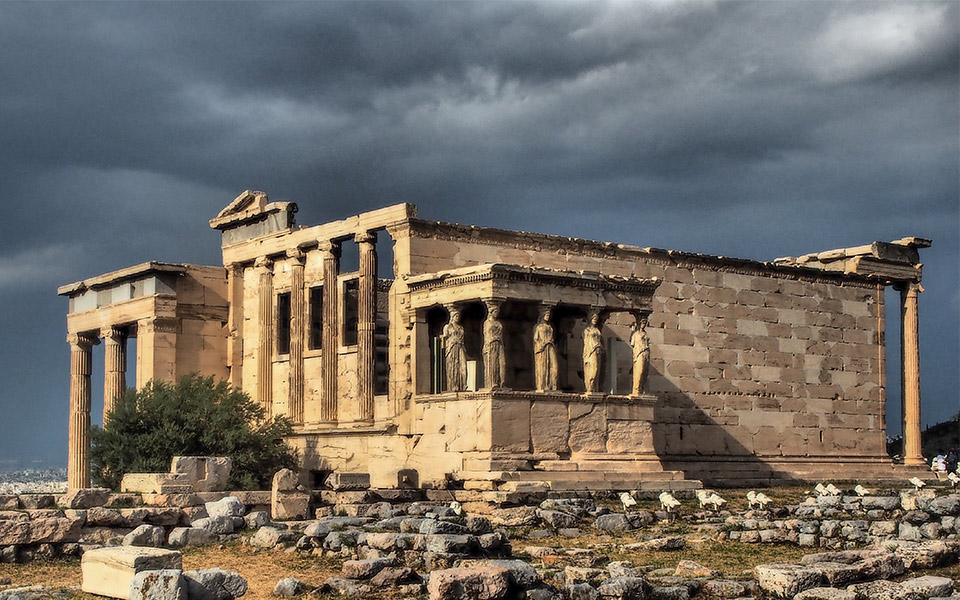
(297, 324)
(910, 351)
(366, 323)
(114, 367)
(78, 460)
(330, 258)
(264, 267)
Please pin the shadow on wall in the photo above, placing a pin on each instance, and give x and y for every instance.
(688, 439)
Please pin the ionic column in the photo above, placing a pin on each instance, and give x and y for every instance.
(235, 324)
(366, 323)
(910, 354)
(330, 257)
(114, 368)
(264, 267)
(297, 325)
(78, 447)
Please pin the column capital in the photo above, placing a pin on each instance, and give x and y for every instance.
(264, 262)
(235, 268)
(365, 237)
(83, 339)
(113, 333)
(330, 248)
(297, 256)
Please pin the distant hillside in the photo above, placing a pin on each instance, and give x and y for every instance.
(936, 439)
(942, 437)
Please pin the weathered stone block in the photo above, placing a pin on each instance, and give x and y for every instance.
(478, 583)
(110, 571)
(163, 584)
(214, 584)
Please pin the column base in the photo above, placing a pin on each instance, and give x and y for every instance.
(913, 462)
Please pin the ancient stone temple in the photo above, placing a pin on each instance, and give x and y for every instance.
(490, 357)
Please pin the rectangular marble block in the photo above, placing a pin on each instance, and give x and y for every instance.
(109, 571)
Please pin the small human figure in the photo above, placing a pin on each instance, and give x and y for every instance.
(494, 358)
(544, 353)
(640, 343)
(454, 354)
(592, 353)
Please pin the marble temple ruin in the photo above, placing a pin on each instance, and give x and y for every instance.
(490, 356)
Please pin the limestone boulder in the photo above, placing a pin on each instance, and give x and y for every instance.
(478, 583)
(163, 584)
(785, 580)
(288, 587)
(826, 593)
(214, 584)
(21, 532)
(885, 590)
(930, 586)
(146, 535)
(230, 506)
(182, 537)
(216, 525)
(367, 568)
(84, 498)
(111, 571)
(624, 588)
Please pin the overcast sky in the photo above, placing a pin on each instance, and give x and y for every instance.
(754, 129)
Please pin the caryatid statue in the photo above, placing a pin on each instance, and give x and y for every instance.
(592, 353)
(545, 353)
(454, 353)
(494, 357)
(640, 343)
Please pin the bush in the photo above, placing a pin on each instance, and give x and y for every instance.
(195, 417)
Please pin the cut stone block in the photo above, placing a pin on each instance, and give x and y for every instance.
(110, 571)
(156, 483)
(349, 481)
(166, 584)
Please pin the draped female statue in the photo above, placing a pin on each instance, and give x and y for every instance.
(494, 358)
(544, 353)
(592, 353)
(640, 343)
(454, 354)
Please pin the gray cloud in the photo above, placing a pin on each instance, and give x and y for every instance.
(754, 129)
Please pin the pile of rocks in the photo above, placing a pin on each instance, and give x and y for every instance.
(837, 522)
(856, 574)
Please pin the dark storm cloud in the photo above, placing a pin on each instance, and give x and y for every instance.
(754, 129)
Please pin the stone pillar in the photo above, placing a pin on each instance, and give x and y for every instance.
(114, 367)
(235, 324)
(297, 335)
(910, 360)
(265, 341)
(156, 350)
(366, 323)
(78, 460)
(330, 257)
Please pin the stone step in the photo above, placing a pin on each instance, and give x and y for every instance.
(617, 466)
(642, 485)
(594, 475)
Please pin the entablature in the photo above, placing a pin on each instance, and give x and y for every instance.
(534, 284)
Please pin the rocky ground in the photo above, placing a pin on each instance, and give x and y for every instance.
(392, 544)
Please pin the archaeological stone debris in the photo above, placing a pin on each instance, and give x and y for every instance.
(415, 353)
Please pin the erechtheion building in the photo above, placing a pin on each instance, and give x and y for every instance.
(495, 356)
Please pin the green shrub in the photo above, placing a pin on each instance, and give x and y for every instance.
(195, 417)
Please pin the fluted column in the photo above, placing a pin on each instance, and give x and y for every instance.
(78, 460)
(330, 257)
(297, 335)
(264, 267)
(114, 367)
(910, 353)
(235, 324)
(366, 323)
